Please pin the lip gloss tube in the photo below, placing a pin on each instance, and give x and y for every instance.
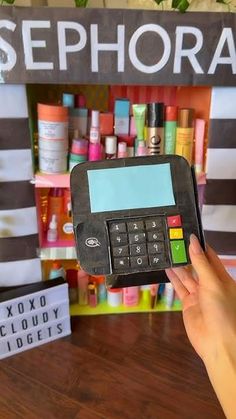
(184, 134)
(92, 295)
(155, 128)
(153, 292)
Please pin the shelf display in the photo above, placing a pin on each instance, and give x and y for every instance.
(95, 118)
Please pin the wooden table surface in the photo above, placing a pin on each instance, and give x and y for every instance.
(118, 366)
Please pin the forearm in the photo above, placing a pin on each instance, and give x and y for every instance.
(221, 370)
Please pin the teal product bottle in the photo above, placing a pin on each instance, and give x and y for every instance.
(102, 292)
(57, 271)
(170, 129)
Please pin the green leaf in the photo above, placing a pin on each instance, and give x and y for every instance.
(158, 1)
(221, 1)
(175, 4)
(81, 3)
(183, 6)
(9, 1)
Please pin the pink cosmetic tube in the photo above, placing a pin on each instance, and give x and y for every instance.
(122, 150)
(199, 144)
(95, 151)
(79, 146)
(131, 296)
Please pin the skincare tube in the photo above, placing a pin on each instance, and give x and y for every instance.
(170, 129)
(153, 292)
(131, 296)
(169, 295)
(83, 279)
(141, 149)
(155, 128)
(184, 134)
(199, 144)
(139, 112)
(122, 150)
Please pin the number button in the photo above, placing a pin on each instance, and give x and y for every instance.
(156, 260)
(119, 239)
(121, 263)
(154, 236)
(138, 249)
(117, 228)
(137, 238)
(154, 224)
(139, 262)
(135, 226)
(154, 248)
(121, 251)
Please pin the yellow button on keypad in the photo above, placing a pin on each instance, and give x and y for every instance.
(176, 233)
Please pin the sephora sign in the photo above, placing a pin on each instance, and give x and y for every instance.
(48, 45)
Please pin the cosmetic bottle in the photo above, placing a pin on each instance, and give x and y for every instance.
(199, 145)
(80, 101)
(114, 297)
(139, 112)
(106, 123)
(122, 150)
(68, 100)
(55, 203)
(92, 294)
(102, 290)
(79, 121)
(83, 279)
(169, 295)
(110, 147)
(57, 271)
(66, 198)
(184, 134)
(66, 225)
(170, 129)
(95, 151)
(145, 295)
(141, 149)
(71, 279)
(155, 128)
(52, 233)
(131, 296)
(94, 135)
(153, 292)
(121, 110)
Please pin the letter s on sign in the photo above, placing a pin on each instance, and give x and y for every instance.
(7, 48)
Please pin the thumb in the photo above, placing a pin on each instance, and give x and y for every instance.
(205, 272)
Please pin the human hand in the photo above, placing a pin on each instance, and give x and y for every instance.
(208, 298)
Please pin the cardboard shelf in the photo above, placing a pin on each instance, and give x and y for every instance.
(55, 253)
(43, 180)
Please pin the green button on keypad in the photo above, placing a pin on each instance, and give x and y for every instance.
(178, 251)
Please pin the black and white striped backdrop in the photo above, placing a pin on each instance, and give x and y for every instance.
(219, 209)
(19, 263)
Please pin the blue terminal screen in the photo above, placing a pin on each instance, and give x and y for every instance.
(124, 188)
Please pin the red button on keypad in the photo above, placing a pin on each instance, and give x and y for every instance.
(174, 221)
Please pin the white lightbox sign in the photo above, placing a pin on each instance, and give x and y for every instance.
(34, 319)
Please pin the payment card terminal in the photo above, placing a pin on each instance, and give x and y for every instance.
(133, 217)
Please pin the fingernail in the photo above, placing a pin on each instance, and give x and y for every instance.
(195, 245)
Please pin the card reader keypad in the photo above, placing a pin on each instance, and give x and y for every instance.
(138, 243)
(147, 242)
